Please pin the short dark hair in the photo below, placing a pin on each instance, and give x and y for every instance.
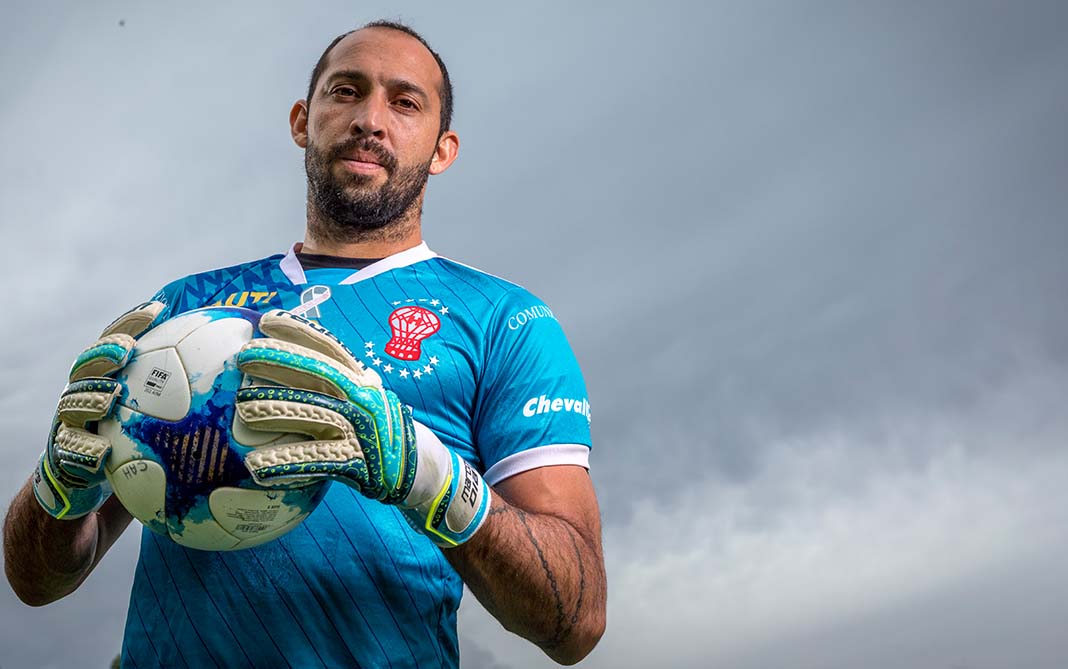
(445, 92)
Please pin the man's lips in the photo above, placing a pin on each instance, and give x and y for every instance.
(362, 166)
(362, 161)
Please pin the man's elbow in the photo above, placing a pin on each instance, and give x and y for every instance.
(35, 599)
(30, 593)
(579, 643)
(33, 587)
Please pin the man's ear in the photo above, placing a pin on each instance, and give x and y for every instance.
(445, 153)
(298, 123)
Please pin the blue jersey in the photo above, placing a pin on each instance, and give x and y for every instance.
(482, 362)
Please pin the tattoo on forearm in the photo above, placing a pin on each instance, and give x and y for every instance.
(582, 577)
(563, 629)
(552, 554)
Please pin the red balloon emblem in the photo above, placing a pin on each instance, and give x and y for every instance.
(410, 326)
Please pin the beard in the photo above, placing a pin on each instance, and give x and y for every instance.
(350, 208)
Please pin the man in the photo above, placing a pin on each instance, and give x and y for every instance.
(483, 365)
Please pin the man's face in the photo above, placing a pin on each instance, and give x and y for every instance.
(373, 129)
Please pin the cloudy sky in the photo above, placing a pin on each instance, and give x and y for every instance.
(813, 257)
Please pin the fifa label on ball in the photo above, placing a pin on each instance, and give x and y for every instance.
(156, 381)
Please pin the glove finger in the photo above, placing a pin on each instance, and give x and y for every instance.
(388, 448)
(408, 449)
(287, 410)
(307, 461)
(79, 452)
(71, 480)
(87, 400)
(364, 425)
(107, 355)
(136, 321)
(296, 366)
(395, 444)
(280, 324)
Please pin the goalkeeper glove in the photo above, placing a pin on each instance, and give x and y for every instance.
(360, 432)
(69, 482)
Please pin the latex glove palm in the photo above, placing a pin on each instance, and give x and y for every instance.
(359, 432)
(69, 481)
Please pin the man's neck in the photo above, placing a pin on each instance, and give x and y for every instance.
(399, 236)
(369, 249)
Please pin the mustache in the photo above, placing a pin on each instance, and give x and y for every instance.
(381, 153)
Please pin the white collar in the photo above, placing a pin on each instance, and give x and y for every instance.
(291, 267)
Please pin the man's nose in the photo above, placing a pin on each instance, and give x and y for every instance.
(369, 117)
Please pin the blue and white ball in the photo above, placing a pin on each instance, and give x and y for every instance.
(177, 451)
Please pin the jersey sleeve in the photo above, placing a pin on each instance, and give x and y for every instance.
(532, 408)
(170, 295)
(200, 290)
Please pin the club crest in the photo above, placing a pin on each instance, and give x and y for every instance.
(411, 327)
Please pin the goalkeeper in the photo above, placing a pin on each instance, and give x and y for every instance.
(445, 404)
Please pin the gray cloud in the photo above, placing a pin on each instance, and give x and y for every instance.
(811, 258)
(474, 656)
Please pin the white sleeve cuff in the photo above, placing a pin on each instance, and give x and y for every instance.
(542, 456)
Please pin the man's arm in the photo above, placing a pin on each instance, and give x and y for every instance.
(47, 559)
(536, 564)
(59, 525)
(531, 551)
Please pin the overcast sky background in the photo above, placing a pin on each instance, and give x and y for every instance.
(812, 256)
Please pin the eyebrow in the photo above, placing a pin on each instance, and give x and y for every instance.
(402, 85)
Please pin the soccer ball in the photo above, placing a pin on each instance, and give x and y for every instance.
(176, 462)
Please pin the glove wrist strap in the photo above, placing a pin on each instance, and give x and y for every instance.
(449, 500)
(62, 502)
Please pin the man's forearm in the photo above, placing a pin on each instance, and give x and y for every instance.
(46, 559)
(539, 576)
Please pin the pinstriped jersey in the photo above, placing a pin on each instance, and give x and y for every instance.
(482, 362)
